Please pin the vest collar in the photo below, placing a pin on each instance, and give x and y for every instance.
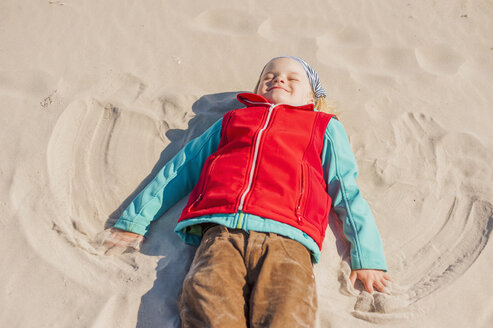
(253, 100)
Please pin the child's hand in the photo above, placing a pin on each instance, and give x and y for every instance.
(118, 241)
(370, 278)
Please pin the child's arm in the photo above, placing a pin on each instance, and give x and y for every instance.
(176, 179)
(340, 170)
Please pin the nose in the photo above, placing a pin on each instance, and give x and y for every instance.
(279, 79)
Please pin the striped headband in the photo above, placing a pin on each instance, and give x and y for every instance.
(318, 90)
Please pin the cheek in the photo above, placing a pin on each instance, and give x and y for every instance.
(262, 87)
(310, 96)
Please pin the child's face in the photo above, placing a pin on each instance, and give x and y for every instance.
(284, 81)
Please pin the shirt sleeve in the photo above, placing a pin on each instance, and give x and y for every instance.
(340, 171)
(175, 180)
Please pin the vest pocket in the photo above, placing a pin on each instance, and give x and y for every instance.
(300, 205)
(209, 166)
(317, 202)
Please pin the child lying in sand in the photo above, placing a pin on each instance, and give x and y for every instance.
(264, 179)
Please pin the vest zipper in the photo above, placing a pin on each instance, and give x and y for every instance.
(300, 199)
(255, 154)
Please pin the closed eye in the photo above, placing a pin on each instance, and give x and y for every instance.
(293, 77)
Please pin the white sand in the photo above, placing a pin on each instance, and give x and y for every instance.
(97, 95)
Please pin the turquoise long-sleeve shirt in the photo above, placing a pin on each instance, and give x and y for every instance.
(178, 177)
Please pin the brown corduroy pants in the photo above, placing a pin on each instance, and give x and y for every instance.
(248, 279)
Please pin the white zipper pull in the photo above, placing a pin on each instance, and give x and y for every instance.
(298, 215)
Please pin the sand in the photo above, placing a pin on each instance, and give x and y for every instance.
(97, 95)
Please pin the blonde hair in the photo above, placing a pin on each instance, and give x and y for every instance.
(325, 106)
(321, 104)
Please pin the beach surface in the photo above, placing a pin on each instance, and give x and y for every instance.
(96, 96)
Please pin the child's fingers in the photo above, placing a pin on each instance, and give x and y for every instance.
(114, 237)
(117, 241)
(386, 276)
(111, 241)
(379, 286)
(371, 279)
(368, 286)
(102, 237)
(136, 243)
(121, 246)
(109, 250)
(117, 247)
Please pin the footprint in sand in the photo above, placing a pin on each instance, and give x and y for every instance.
(438, 59)
(352, 49)
(290, 28)
(229, 22)
(445, 179)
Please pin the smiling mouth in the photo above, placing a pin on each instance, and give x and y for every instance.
(276, 88)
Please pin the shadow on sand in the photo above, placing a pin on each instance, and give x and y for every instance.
(159, 306)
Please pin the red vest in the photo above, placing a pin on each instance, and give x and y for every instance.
(269, 164)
